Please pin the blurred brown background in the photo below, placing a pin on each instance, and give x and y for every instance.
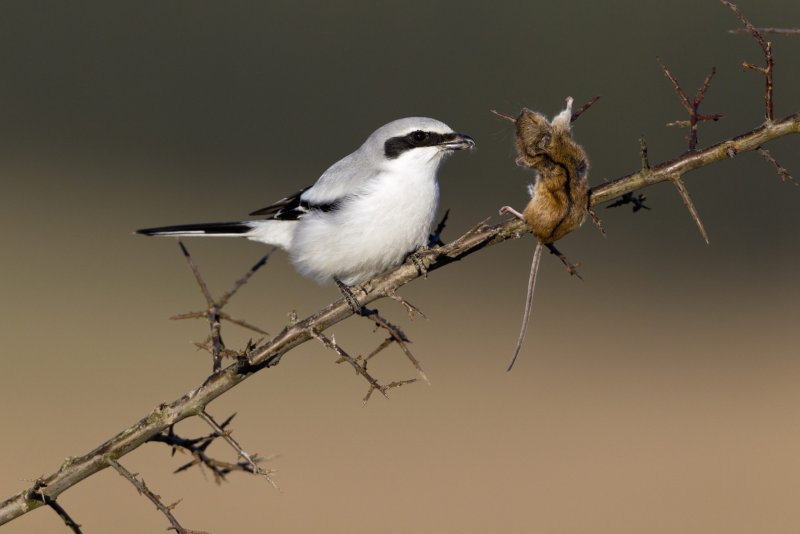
(658, 395)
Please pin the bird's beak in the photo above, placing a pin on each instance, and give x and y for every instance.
(457, 141)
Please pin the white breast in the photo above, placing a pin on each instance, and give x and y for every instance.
(372, 231)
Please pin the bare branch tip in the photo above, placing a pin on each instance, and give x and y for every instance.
(142, 488)
(783, 172)
(643, 154)
(503, 116)
(250, 459)
(577, 113)
(687, 200)
(769, 61)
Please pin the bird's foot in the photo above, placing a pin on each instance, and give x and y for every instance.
(418, 259)
(348, 295)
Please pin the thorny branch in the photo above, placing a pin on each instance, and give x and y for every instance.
(692, 106)
(774, 31)
(690, 161)
(360, 365)
(766, 47)
(269, 353)
(142, 488)
(214, 313)
(251, 459)
(783, 172)
(695, 117)
(35, 493)
(197, 448)
(578, 112)
(575, 114)
(398, 336)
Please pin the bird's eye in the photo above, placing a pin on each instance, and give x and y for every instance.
(419, 136)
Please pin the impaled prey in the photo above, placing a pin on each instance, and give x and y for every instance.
(559, 193)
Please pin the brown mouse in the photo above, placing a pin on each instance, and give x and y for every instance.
(559, 193)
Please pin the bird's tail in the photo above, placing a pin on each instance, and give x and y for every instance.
(271, 232)
(225, 229)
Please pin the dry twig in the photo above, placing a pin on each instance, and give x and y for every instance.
(766, 47)
(692, 106)
(396, 335)
(35, 493)
(687, 200)
(142, 488)
(251, 459)
(197, 448)
(695, 117)
(361, 368)
(214, 313)
(774, 31)
(783, 172)
(575, 114)
(578, 112)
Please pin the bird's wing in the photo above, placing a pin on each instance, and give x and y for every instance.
(342, 179)
(285, 209)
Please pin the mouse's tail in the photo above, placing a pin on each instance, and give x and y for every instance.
(526, 316)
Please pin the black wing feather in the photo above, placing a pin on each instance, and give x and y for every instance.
(292, 208)
(284, 209)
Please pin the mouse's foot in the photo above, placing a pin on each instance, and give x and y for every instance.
(508, 210)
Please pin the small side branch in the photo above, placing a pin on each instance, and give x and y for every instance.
(398, 336)
(643, 154)
(575, 114)
(68, 521)
(766, 47)
(223, 300)
(252, 460)
(774, 31)
(503, 115)
(360, 365)
(687, 200)
(36, 493)
(197, 447)
(783, 172)
(692, 107)
(578, 112)
(690, 161)
(214, 313)
(142, 488)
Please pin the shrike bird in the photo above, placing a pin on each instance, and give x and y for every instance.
(364, 215)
